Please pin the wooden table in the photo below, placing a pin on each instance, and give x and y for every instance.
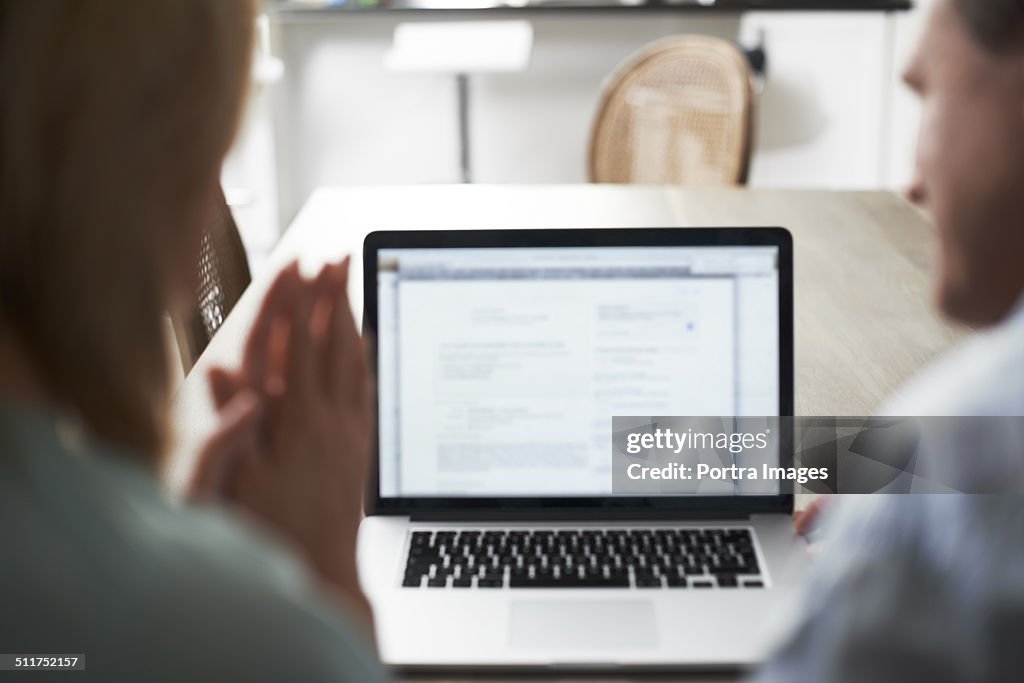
(863, 317)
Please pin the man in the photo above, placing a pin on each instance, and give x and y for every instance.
(931, 588)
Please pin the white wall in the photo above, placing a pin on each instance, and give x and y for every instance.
(835, 112)
(823, 110)
(832, 113)
(346, 119)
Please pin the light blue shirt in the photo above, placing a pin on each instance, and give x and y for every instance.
(96, 560)
(927, 587)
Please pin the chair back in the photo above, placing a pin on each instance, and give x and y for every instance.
(679, 112)
(223, 275)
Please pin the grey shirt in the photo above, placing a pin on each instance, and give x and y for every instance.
(97, 560)
(928, 587)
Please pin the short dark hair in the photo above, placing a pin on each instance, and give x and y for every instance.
(998, 25)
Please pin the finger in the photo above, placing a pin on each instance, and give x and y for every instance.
(331, 287)
(234, 435)
(244, 483)
(223, 386)
(368, 344)
(346, 353)
(276, 305)
(325, 286)
(365, 348)
(363, 385)
(805, 520)
(301, 362)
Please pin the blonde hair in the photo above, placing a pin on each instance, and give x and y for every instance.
(116, 117)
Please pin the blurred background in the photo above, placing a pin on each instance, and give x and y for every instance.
(382, 92)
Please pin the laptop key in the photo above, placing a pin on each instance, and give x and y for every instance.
(649, 582)
(570, 582)
(422, 551)
(588, 558)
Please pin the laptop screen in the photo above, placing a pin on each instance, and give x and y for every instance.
(500, 368)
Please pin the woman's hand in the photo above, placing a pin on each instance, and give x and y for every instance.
(295, 441)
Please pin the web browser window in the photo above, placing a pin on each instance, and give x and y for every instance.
(500, 368)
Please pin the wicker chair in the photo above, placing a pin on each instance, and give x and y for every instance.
(223, 276)
(678, 112)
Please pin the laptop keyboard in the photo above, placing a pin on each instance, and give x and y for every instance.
(585, 558)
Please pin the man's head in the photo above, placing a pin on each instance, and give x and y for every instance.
(969, 73)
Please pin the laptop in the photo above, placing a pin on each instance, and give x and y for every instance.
(494, 535)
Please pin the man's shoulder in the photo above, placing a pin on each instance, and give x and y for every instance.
(982, 376)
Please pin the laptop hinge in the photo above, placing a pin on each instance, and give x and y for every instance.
(550, 515)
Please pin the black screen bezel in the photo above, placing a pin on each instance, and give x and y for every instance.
(608, 506)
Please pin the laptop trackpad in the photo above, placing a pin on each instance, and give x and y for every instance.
(598, 625)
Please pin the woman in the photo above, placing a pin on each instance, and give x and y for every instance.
(116, 118)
